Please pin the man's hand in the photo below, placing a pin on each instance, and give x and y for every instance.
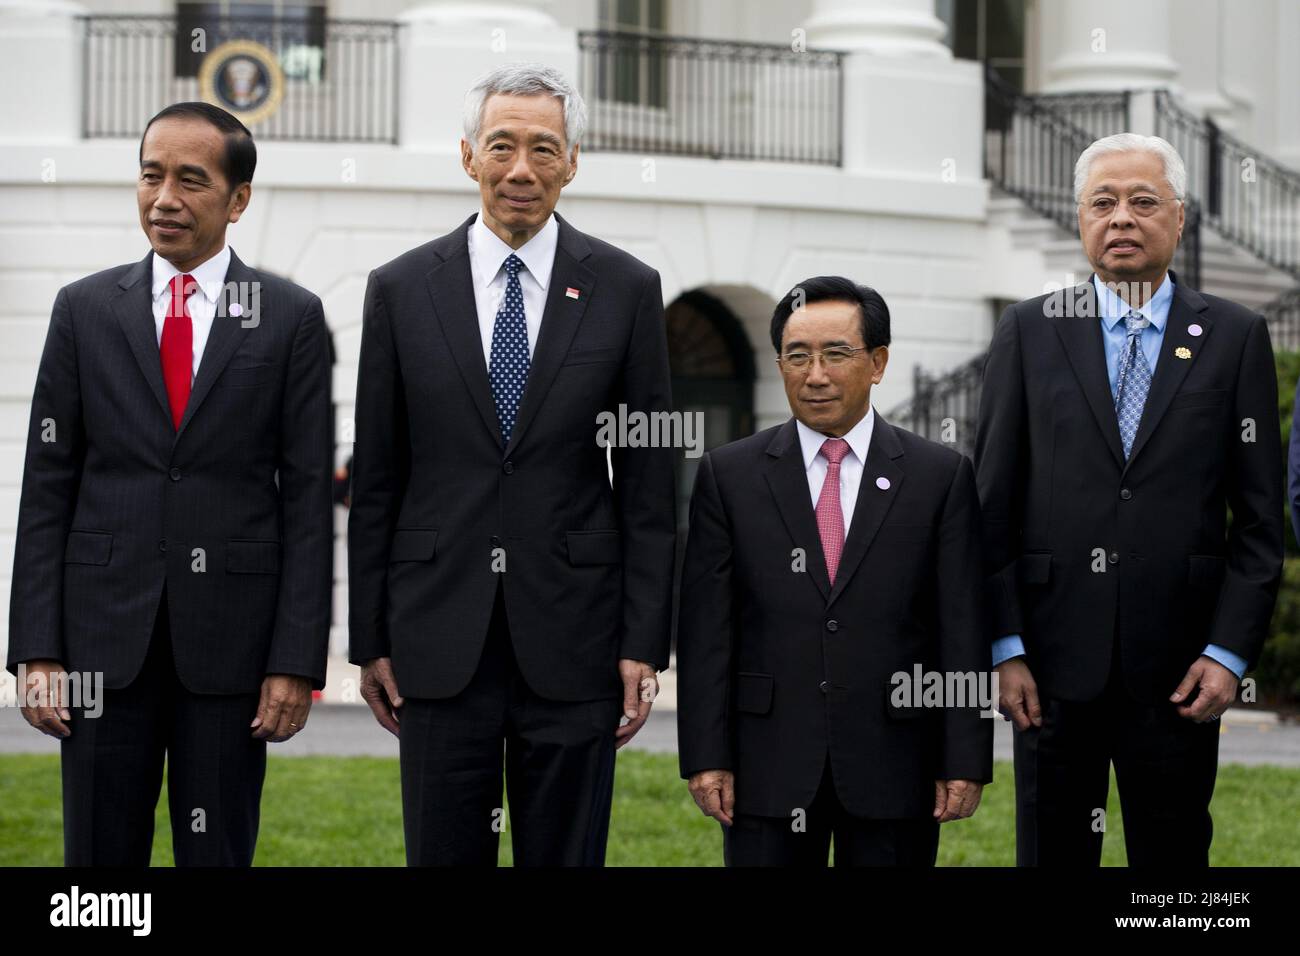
(1218, 690)
(714, 792)
(48, 713)
(283, 709)
(956, 799)
(635, 708)
(1018, 695)
(379, 690)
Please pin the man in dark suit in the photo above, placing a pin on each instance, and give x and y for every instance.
(174, 533)
(1120, 421)
(500, 589)
(831, 562)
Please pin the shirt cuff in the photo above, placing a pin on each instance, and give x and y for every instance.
(1005, 648)
(1225, 657)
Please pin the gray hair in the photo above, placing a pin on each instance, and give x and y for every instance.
(526, 79)
(1175, 171)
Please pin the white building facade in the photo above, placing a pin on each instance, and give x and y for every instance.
(735, 168)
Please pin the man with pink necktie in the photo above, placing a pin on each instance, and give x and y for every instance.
(831, 650)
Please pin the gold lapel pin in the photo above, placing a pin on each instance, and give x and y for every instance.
(1183, 352)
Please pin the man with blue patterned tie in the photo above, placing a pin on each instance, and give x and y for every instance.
(1120, 421)
(504, 595)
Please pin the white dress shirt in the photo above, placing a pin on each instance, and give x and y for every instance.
(487, 257)
(859, 439)
(202, 305)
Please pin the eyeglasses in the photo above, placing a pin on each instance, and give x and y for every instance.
(831, 358)
(1103, 207)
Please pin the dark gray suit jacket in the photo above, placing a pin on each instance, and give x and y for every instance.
(588, 567)
(232, 512)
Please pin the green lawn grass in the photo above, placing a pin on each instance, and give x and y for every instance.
(346, 811)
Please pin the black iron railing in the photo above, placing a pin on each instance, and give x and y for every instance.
(333, 80)
(1031, 148)
(1250, 199)
(714, 98)
(1283, 317)
(944, 408)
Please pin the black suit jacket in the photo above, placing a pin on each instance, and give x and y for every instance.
(437, 502)
(117, 505)
(775, 666)
(1080, 542)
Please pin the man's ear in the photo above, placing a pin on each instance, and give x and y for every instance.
(240, 200)
(467, 160)
(573, 165)
(879, 359)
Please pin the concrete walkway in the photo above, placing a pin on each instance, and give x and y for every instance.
(341, 725)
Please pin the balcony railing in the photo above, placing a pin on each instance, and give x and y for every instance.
(1250, 199)
(713, 98)
(312, 78)
(945, 407)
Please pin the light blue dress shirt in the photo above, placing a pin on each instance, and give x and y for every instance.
(1114, 332)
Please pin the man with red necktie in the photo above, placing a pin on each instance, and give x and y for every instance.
(175, 530)
(833, 563)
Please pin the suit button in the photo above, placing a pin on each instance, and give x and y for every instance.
(832, 626)
(825, 686)
(1125, 494)
(175, 474)
(162, 545)
(1113, 558)
(508, 468)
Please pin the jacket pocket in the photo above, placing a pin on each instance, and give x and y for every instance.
(241, 376)
(413, 544)
(88, 547)
(1034, 567)
(1206, 571)
(594, 547)
(591, 356)
(252, 557)
(1200, 397)
(753, 693)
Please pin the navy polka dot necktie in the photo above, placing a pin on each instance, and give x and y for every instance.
(508, 367)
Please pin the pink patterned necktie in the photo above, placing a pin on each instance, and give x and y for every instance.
(830, 519)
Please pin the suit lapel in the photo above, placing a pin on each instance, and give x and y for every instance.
(1187, 309)
(788, 479)
(227, 333)
(451, 290)
(873, 502)
(560, 321)
(1079, 329)
(133, 308)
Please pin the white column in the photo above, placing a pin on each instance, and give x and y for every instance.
(902, 28)
(1197, 36)
(447, 45)
(40, 71)
(910, 111)
(1108, 45)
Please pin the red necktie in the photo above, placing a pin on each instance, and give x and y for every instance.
(177, 347)
(830, 519)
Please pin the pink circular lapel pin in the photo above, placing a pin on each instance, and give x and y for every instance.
(1194, 330)
(882, 483)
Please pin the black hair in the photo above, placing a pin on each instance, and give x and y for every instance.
(871, 307)
(240, 158)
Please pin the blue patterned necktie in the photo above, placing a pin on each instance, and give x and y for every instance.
(1134, 381)
(508, 367)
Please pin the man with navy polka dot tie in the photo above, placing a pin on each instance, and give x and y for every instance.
(509, 603)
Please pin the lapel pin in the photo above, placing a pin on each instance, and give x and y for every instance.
(571, 292)
(1183, 353)
(236, 310)
(1194, 330)
(882, 483)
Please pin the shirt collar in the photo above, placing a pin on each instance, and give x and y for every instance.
(210, 275)
(858, 437)
(1113, 308)
(488, 252)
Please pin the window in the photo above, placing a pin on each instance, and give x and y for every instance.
(293, 29)
(634, 71)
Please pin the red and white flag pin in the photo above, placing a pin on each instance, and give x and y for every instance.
(571, 292)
